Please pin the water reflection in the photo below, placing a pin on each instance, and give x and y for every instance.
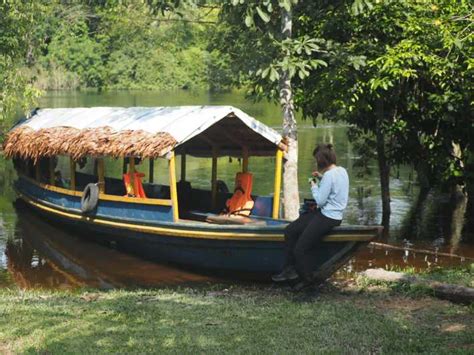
(417, 256)
(42, 255)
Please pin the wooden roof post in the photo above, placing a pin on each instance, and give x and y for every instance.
(131, 167)
(51, 170)
(37, 170)
(245, 159)
(214, 177)
(124, 166)
(277, 186)
(173, 189)
(72, 173)
(183, 166)
(151, 170)
(101, 174)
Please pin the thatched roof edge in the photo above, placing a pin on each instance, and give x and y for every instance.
(26, 143)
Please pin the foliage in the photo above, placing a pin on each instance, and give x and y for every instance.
(252, 39)
(463, 276)
(401, 67)
(122, 45)
(15, 24)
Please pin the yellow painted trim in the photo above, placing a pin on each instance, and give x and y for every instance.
(144, 201)
(72, 173)
(245, 159)
(187, 233)
(154, 230)
(104, 197)
(277, 186)
(173, 189)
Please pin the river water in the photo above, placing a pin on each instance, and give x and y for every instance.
(34, 253)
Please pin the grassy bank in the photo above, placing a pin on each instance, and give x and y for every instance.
(456, 276)
(462, 276)
(241, 319)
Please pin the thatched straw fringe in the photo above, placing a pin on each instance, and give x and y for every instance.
(26, 143)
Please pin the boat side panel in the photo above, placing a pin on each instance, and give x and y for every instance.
(226, 255)
(108, 209)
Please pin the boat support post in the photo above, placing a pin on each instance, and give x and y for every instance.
(214, 177)
(131, 167)
(72, 173)
(101, 174)
(277, 186)
(183, 166)
(245, 159)
(173, 189)
(37, 171)
(151, 170)
(51, 170)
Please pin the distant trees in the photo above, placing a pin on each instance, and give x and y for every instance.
(121, 45)
(16, 91)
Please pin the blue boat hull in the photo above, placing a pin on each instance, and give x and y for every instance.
(202, 246)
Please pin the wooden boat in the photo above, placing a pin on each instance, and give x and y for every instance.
(171, 223)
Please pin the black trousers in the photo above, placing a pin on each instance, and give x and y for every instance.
(303, 235)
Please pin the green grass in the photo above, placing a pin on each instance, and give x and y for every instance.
(242, 319)
(460, 275)
(463, 276)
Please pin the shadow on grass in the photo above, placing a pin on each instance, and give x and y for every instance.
(241, 319)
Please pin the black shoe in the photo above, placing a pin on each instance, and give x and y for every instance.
(288, 274)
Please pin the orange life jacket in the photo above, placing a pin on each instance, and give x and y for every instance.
(137, 189)
(241, 202)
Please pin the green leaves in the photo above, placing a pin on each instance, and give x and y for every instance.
(361, 6)
(286, 4)
(17, 24)
(263, 10)
(263, 15)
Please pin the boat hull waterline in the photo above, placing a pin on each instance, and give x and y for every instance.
(200, 245)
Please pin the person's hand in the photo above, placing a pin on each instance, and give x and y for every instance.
(316, 174)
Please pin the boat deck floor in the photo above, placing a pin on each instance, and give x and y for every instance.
(212, 218)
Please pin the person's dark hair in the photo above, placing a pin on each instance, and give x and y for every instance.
(325, 155)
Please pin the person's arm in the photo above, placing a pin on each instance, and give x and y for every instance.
(321, 191)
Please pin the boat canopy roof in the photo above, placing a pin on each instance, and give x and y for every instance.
(146, 132)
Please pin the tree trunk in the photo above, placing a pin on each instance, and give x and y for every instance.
(459, 199)
(469, 226)
(384, 170)
(412, 224)
(291, 201)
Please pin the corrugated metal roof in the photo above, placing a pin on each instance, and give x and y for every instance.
(181, 122)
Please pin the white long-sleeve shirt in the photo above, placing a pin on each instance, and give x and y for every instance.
(332, 192)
